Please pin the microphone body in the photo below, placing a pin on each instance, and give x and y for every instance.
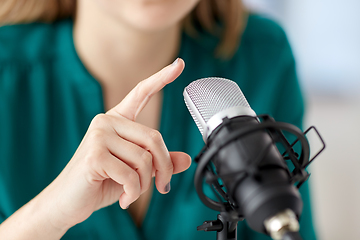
(267, 189)
(242, 153)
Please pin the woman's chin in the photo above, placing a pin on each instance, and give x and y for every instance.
(151, 23)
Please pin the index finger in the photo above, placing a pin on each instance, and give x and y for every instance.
(139, 96)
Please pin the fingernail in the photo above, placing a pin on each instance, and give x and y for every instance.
(127, 207)
(167, 188)
(175, 62)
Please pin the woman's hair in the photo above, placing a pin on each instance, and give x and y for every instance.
(222, 18)
(225, 19)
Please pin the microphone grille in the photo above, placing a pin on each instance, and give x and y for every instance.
(209, 96)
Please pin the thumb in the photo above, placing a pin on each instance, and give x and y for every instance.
(181, 161)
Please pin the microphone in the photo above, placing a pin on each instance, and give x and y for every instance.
(242, 163)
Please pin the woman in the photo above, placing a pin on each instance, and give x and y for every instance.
(72, 89)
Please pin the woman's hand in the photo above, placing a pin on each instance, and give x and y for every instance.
(116, 159)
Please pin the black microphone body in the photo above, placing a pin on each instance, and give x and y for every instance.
(266, 189)
(242, 163)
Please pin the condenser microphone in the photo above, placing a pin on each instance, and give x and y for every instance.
(241, 160)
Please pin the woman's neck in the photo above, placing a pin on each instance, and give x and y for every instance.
(116, 54)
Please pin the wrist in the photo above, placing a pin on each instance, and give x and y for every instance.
(47, 219)
(32, 221)
(46, 207)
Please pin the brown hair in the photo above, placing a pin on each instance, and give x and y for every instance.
(209, 14)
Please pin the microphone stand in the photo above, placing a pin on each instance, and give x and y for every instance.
(225, 225)
(292, 236)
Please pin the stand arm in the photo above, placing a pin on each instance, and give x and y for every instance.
(292, 236)
(226, 228)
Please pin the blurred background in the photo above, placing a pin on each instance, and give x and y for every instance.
(325, 38)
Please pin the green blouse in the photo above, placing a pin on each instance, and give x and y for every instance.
(48, 98)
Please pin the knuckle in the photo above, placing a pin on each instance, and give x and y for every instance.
(139, 88)
(168, 166)
(134, 184)
(96, 135)
(99, 120)
(146, 158)
(97, 129)
(92, 159)
(133, 178)
(140, 84)
(155, 136)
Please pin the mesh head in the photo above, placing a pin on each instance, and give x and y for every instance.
(208, 96)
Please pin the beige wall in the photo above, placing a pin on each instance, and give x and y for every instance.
(335, 174)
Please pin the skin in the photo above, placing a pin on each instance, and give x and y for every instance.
(121, 43)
